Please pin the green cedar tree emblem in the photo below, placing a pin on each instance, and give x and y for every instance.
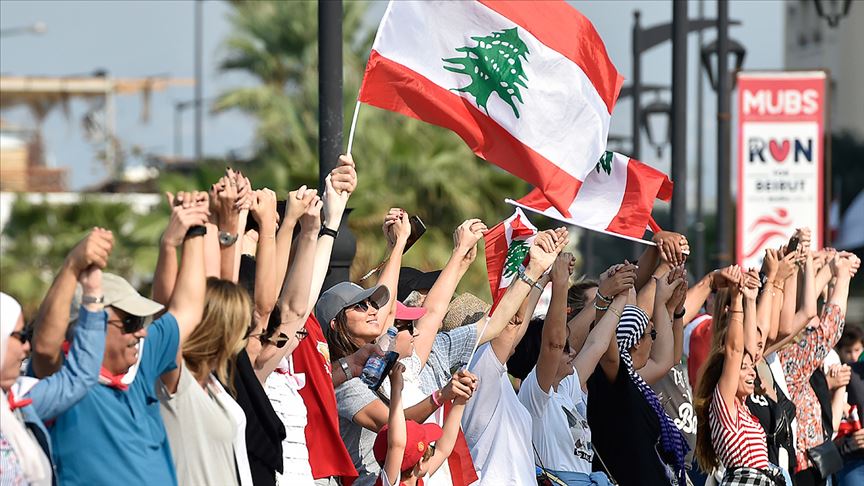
(495, 66)
(605, 163)
(515, 256)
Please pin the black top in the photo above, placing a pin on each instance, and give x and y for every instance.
(625, 431)
(676, 396)
(776, 418)
(264, 429)
(855, 389)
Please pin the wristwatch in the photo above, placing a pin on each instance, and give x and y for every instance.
(227, 239)
(345, 368)
(92, 299)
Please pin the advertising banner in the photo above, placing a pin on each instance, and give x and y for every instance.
(781, 155)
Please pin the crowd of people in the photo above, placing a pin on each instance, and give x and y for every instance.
(241, 369)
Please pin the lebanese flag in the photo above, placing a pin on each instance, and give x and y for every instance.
(507, 245)
(616, 198)
(527, 85)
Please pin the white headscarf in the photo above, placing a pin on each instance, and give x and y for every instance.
(32, 458)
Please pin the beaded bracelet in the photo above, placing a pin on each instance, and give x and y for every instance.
(601, 309)
(603, 297)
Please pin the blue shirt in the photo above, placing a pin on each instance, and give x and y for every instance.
(117, 437)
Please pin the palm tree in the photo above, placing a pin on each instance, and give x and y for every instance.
(401, 162)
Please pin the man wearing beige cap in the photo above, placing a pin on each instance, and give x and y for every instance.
(115, 435)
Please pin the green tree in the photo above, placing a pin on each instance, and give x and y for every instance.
(495, 66)
(401, 162)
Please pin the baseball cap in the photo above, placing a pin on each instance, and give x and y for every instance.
(419, 437)
(120, 294)
(411, 279)
(346, 294)
(405, 313)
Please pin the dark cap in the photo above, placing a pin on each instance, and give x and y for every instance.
(411, 279)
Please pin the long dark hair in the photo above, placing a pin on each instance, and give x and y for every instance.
(709, 377)
(338, 339)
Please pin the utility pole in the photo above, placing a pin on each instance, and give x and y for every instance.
(699, 226)
(724, 175)
(679, 116)
(199, 80)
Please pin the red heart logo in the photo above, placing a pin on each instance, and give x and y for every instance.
(779, 152)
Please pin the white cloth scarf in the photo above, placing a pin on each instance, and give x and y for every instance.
(30, 455)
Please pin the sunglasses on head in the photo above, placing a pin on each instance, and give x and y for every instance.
(280, 341)
(301, 334)
(23, 335)
(363, 306)
(129, 324)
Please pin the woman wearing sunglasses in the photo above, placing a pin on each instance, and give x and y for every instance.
(205, 426)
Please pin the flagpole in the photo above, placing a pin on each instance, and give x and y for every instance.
(353, 126)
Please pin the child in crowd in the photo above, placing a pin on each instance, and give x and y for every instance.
(408, 451)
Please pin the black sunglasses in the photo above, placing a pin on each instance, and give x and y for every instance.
(24, 335)
(363, 306)
(301, 334)
(129, 324)
(401, 325)
(280, 341)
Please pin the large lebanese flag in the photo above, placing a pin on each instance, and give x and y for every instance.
(527, 85)
(616, 198)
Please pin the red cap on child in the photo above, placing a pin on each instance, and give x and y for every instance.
(419, 438)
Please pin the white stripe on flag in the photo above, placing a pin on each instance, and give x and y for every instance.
(419, 35)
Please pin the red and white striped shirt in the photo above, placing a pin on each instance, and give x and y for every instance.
(739, 440)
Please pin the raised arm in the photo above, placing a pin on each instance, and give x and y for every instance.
(597, 343)
(58, 392)
(266, 273)
(444, 446)
(295, 290)
(752, 337)
(339, 186)
(397, 436)
(295, 205)
(844, 266)
(554, 334)
(645, 295)
(663, 349)
(465, 240)
(52, 321)
(397, 229)
(187, 299)
(789, 287)
(185, 213)
(547, 245)
(733, 350)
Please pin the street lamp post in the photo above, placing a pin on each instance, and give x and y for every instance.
(330, 127)
(199, 80)
(678, 122)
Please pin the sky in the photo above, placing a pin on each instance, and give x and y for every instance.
(145, 38)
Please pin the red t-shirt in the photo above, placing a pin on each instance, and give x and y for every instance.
(327, 453)
(699, 345)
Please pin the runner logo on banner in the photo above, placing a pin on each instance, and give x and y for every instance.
(781, 133)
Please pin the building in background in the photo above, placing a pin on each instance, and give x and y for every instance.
(810, 43)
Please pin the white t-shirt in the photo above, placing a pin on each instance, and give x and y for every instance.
(497, 427)
(283, 389)
(385, 481)
(559, 423)
(239, 416)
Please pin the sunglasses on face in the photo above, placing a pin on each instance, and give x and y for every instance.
(129, 324)
(404, 326)
(364, 306)
(23, 335)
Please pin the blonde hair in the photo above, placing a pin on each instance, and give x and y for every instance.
(221, 333)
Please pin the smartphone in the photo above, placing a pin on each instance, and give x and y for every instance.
(390, 360)
(793, 245)
(251, 224)
(417, 230)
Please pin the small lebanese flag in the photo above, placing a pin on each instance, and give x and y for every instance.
(527, 85)
(617, 198)
(507, 245)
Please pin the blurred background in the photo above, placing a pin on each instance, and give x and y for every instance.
(106, 105)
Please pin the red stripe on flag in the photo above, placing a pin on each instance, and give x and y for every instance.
(392, 86)
(564, 29)
(496, 253)
(643, 185)
(535, 199)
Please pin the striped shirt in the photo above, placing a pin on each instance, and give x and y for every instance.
(738, 441)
